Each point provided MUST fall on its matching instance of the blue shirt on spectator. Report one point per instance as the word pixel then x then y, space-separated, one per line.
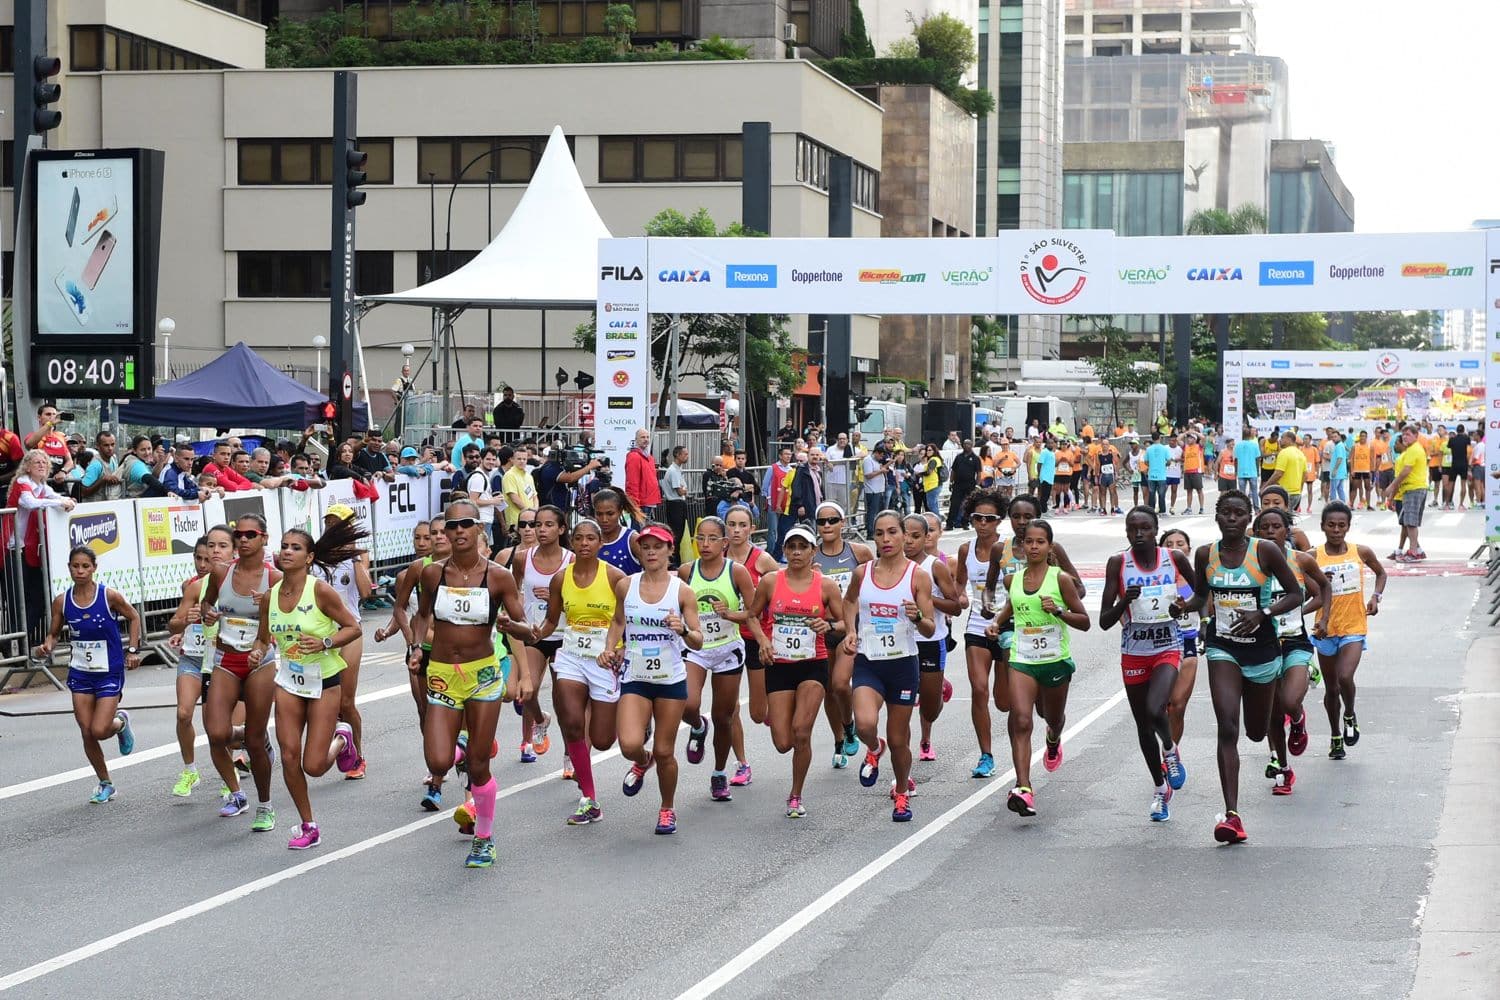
pixel 1158 456
pixel 1338 467
pixel 1246 458
pixel 1046 466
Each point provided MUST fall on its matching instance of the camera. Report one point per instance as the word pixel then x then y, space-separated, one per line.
pixel 577 456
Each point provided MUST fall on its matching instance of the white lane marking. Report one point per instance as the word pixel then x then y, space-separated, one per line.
pixel 87 951
pixel 156 753
pixel 783 932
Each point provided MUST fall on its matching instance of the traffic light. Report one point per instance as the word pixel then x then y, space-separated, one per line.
pixel 354 162
pixel 330 411
pixel 44 92
pixel 861 414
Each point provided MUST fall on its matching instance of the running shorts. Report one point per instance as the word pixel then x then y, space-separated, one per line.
pixel 752 654
pixel 453 685
pixel 110 684
pixel 972 641
pixel 1458 472
pixel 1107 481
pixel 1361 477
pixel 1255 673
pixel 1192 645
pixel 190 666
pixel 1174 480
pixel 789 676
pixel 1137 668
pixel 1329 645
pixel 549 647
pixel 930 656
pixel 1434 473
pixel 1048 675
pixel 1323 477
pixel 895 680
pixel 1412 506
pixel 603 683
pixel 726 659
pixel 675 691
pixel 1192 481
pixel 1295 656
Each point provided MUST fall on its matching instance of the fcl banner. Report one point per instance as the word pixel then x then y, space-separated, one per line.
pixel 622 350
pixel 1492 388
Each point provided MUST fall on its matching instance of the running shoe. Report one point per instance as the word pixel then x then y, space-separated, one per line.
pixel 461 753
pixel 519 706
pixel 1230 829
pixel 1273 768
pixel 1296 737
pixel 1285 781
pixel 432 799
pixel 1052 757
pixel 666 821
pixel 696 738
pixel 234 805
pixel 869 771
pixel 265 820
pixel 901 811
pixel 985 768
pixel 1159 811
pixel 947 690
pixel 349 754
pixel 1336 748
pixel 925 751
pixel 567 771
pixel 358 771
pixel 186 782
pixel 528 755
pixel 481 853
pixel 911 788
pixel 742 775
pixel 1176 772
pixel 1021 802
pixel 103 792
pixel 851 742
pixel 1314 676
pixel 1418 555
pixel 794 807
pixel 464 817
pixel 307 836
pixel 1351 730
pixel 126 735
pixel 588 811
pixel 242 761
pixel 718 788
pixel 840 760
pixel 635 776
pixel 540 741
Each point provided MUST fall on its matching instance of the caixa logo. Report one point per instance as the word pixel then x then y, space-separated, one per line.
pixel 610 272
pixel 1215 274
pixel 686 277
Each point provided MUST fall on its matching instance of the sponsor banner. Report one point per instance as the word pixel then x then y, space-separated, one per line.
pixel 168 530
pixel 108 529
pixel 1492 387
pixel 1415 403
pixel 1393 364
pixel 401 506
pixel 622 351
pixel 338 491
pixel 1267 402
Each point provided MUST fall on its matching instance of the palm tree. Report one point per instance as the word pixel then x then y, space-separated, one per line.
pixel 1246 220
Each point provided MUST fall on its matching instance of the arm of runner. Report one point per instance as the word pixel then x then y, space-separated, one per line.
pixel 124 609
pixel 1003 616
pixel 921 585
pixel 1075 614
pixel 951 602
pixel 422 624
pixel 263 641
pixel 614 639
pixel 1113 604
pixel 1368 555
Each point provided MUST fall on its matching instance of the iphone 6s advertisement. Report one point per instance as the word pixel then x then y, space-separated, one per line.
pixel 85 246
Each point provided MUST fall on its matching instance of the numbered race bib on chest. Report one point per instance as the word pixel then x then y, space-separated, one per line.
pixel 463 605
pixel 886 637
pixel 655 661
pixel 1289 623
pixel 1343 579
pixel 90 656
pixel 238 633
pixel 1154 604
pixel 1228 609
pixel 305 680
pixel 581 640
pixel 1106 468
pixel 1037 643
pixel 793 640
pixel 716 629
pixel 1226 471
pixel 194 642
pixel 840 578
pixel 536 609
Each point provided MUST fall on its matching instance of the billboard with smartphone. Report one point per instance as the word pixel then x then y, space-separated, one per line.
pixel 85 246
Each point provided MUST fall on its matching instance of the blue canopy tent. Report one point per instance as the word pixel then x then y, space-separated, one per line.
pixel 237 389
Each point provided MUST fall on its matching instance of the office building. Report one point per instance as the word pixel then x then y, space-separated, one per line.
pixel 1159 27
pixel 1460 330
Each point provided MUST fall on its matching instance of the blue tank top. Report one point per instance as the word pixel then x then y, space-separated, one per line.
pixel 96 623
pixel 617 553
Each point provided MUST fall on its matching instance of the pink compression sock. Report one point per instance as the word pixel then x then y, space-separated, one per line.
pixel 484 808
pixel 583 766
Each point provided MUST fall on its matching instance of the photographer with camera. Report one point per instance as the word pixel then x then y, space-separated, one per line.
pixel 560 473
pixel 53 442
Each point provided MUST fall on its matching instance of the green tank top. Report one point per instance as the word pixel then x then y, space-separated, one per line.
pixel 717 631
pixel 1041 637
pixel 305 619
pixel 210 632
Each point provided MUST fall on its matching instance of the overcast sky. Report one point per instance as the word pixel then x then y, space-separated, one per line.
pixel 1399 87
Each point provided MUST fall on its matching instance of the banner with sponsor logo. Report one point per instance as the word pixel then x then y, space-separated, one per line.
pixel 107 529
pixel 622 344
pixel 1268 403
pixel 341 491
pixel 401 506
pixel 168 531
pixel 1492 388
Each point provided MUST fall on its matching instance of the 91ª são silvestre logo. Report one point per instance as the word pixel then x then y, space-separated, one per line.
pixel 1054 271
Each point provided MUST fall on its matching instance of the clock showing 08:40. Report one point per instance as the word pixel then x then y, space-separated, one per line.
pixel 70 374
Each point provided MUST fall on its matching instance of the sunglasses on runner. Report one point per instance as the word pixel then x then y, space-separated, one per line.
pixel 459 523
pixel 243 535
pixel 984 518
pixel 830 520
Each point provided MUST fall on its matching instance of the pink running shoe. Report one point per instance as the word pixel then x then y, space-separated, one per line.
pixel 742 775
pixel 348 758
pixel 307 836
pixel 925 752
pixel 1052 757
pixel 947 690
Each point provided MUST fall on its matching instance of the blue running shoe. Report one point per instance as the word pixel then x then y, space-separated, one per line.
pixel 985 768
pixel 103 793
pixel 869 771
pixel 234 805
pixel 126 735
pixel 528 754
pixel 851 742
pixel 432 799
pixel 481 853
pixel 1159 811
pixel 1176 772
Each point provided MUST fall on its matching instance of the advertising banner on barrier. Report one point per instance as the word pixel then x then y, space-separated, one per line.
pixel 1392 364
pixel 622 344
pixel 342 491
pixel 401 506
pixel 168 529
pixel 108 529
pixel 299 509
pixel 1267 403
pixel 1492 388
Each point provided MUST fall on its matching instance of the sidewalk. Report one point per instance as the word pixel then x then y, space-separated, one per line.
pixel 1459 954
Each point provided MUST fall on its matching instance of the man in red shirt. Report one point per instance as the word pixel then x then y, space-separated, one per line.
pixel 223 471
pixel 641 485
pixel 51 440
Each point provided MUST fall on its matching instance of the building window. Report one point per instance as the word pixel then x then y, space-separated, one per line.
pixel 812 170
pixel 512 158
pixel 1131 204
pixel 670 158
pixel 431 266
pixel 7 171
pixel 7 53
pixel 306 161
pixel 94 48
pixel 303 274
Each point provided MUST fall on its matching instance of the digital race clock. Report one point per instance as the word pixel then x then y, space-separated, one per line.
pixel 105 374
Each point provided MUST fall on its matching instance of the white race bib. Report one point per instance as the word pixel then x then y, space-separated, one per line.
pixel 90 656
pixel 1106 468
pixel 886 638
pixel 1154 604
pixel 462 605
pixel 1227 611
pixel 305 680
pixel 581 640
pixel 1343 579
pixel 1289 623
pixel 717 630
pixel 1226 471
pixel 793 641
pixel 654 661
pixel 238 633
pixel 1037 644
pixel 194 642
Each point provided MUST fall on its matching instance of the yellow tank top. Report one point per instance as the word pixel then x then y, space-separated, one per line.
pixel 305 618
pixel 1346 588
pixel 588 607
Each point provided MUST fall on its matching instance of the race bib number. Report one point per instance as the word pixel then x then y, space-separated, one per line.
pixel 238 633
pixel 792 641
pixel 463 605
pixel 1343 579
pixel 716 629
pixel 654 661
pixel 194 641
pixel 585 642
pixel 305 680
pixel 1226 471
pixel 886 639
pixel 1228 610
pixel 1154 604
pixel 840 578
pixel 1106 468
pixel 1037 644
pixel 90 656
pixel 1289 623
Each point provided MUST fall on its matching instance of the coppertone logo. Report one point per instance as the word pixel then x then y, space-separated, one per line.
pixel 1054 271
pixel 99 532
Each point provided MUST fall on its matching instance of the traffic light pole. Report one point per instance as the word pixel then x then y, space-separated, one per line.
pixel 341 304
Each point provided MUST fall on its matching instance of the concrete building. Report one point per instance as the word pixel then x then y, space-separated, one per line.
pixel 1159 27
pixel 1460 330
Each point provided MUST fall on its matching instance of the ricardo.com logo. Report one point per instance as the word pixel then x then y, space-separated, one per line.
pixel 1054 271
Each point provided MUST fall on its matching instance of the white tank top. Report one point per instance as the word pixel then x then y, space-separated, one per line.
pixel 885 633
pixel 342 579
pixel 653 652
pixel 977 570
pixel 533 579
pixel 937 592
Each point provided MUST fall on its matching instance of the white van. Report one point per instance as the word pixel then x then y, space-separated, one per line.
pixel 1017 413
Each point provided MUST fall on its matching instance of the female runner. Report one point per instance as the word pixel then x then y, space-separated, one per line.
pixel 97 662
pixel 799 602
pixel 1143 592
pixel 984 508
pixel 525 541
pixel 1275 525
pixel 351 579
pixel 1276 498
pixel 656 614
pixel 1340 640
pixel 758 562
pixel 462 600
pixel 933 548
pixel 931 653
pixel 231 600
pixel 620 547
pixel 723 589
pixel 837 558
pixel 1190 627
pixel 888 604
pixel 308 621
pixel 538 567
pixel 1233 575
pixel 192 639
pixel 1044 605
pixel 585 693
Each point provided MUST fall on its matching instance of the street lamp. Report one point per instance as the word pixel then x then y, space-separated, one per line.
pixel 166 326
pixel 403 387
pixel 319 342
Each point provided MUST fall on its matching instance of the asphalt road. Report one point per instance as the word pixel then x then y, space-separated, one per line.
pixel 156 896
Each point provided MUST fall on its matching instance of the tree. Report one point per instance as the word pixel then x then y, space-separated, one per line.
pixel 856 41
pixel 946 40
pixel 1120 367
pixel 989 338
pixel 1243 221
pixel 1411 331
pixel 708 344
pixel 619 21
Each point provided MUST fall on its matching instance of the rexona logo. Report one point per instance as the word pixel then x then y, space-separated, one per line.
pixel 1054 271
pixel 609 272
pixel 1431 270
pixel 1286 272
pixel 889 276
pixel 1215 274
pixel 686 277
pixel 98 532
pixel 1144 275
pixel 1281 364
pixel 750 276
pixel 967 279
